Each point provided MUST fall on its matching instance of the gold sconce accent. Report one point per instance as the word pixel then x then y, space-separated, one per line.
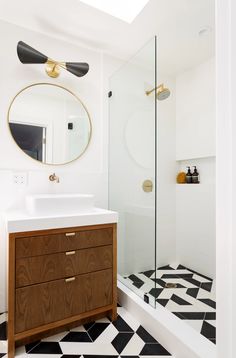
pixel 28 54
pixel 147 186
pixel 52 68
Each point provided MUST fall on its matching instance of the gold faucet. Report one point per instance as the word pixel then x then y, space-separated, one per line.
pixel 54 177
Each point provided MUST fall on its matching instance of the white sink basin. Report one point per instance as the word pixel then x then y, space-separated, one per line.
pixel 58 204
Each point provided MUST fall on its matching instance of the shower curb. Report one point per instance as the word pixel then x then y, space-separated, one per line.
pixel 181 340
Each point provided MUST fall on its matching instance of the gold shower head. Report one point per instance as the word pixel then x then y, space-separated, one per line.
pixel 161 92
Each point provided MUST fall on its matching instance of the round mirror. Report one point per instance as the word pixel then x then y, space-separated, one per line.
pixel 50 123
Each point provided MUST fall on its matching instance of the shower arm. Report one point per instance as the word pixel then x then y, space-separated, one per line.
pixel 155 88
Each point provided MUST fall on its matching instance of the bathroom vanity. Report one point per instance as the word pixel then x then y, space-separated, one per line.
pixel 61 274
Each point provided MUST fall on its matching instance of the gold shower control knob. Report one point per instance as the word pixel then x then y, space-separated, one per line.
pixel 147 186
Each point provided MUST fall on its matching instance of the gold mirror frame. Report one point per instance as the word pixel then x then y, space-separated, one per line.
pixel 73 94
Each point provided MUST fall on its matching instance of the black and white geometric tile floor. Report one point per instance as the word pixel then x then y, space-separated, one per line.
pixel 192 300
pixel 124 338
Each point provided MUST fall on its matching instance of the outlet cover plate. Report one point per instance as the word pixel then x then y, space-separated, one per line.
pixel 20 178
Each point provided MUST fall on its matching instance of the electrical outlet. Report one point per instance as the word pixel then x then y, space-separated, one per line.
pixel 20 178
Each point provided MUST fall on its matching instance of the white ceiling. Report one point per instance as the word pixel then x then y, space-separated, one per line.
pixel 122 9
pixel 175 22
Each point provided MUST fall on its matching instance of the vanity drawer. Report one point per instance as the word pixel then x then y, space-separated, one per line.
pixel 61 242
pixel 45 268
pixel 61 299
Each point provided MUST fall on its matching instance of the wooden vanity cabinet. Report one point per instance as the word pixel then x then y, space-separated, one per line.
pixel 60 277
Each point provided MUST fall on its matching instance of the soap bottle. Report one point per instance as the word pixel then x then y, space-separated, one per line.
pixel 195 176
pixel 188 176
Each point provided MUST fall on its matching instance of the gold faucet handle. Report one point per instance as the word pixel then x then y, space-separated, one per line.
pixel 54 177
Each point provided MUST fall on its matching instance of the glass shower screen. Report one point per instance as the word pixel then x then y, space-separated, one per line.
pixel 132 169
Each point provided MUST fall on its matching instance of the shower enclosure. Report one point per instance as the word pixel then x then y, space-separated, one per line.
pixel 165 236
pixel 133 168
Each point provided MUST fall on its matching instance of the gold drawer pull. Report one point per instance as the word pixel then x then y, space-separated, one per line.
pixel 70 253
pixel 70 234
pixel 70 279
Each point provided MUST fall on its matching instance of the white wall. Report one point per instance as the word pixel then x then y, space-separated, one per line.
pixel 15 76
pixel 226 177
pixel 186 213
pixel 166 201
pixel 195 112
pixel 195 145
pixel 86 175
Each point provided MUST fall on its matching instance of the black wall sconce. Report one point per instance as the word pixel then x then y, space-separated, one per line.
pixel 29 55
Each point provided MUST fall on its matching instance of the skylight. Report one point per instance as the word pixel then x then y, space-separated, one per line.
pixel 126 10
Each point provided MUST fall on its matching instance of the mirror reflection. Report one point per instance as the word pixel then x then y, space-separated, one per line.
pixel 50 123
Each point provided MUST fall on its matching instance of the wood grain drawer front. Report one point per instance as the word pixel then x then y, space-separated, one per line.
pixel 41 304
pixel 68 241
pixel 45 268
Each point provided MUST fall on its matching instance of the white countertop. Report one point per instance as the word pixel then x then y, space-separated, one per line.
pixel 19 221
